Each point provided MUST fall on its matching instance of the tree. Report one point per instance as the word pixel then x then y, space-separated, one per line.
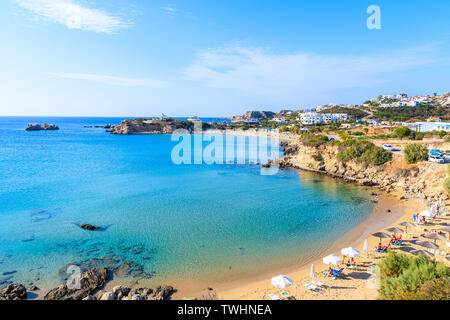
pixel 402 132
pixel 415 153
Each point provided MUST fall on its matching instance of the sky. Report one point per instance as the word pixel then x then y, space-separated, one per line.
pixel 139 58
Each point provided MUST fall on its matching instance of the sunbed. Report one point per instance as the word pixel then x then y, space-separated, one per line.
pixel 312 287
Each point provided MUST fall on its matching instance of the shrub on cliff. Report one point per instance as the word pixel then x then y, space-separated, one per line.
pixel 402 132
pixel 376 155
pixel 363 151
pixel 318 157
pixel 415 153
pixel 311 140
pixel 405 277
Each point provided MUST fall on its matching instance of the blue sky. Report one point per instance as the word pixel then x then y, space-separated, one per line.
pixel 214 58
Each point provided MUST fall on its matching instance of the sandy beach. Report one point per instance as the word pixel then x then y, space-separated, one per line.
pixel 354 286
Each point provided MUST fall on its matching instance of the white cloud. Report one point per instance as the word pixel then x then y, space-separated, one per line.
pixel 74 15
pixel 171 11
pixel 111 80
pixel 255 71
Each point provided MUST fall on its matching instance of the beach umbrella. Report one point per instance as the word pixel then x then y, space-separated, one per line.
pixel 350 252
pixel 446 229
pixel 312 274
pixel 381 235
pixel 281 282
pixel 427 244
pixel 434 236
pixel 332 259
pixel 427 214
pixel 366 247
pixel 407 224
pixel 423 252
pixel 395 230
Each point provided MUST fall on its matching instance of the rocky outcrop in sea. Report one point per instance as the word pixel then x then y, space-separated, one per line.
pixel 38 127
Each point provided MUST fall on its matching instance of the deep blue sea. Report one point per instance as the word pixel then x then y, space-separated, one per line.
pixel 211 222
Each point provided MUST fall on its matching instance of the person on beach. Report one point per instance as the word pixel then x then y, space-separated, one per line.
pixel 379 247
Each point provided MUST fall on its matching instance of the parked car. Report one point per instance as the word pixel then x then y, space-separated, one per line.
pixel 436 159
pixel 436 152
pixel 388 147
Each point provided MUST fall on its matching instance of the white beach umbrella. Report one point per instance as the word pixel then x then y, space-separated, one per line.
pixel 281 282
pixel 366 247
pixel 312 274
pixel 427 214
pixel 350 252
pixel 332 259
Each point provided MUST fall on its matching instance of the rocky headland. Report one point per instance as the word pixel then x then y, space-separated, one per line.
pixel 154 126
pixel 423 179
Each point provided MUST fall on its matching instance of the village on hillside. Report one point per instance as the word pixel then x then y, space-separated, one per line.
pixel 421 113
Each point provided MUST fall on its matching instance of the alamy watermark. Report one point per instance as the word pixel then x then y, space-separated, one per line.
pixel 374 20
pixel 73 282
pixel 255 147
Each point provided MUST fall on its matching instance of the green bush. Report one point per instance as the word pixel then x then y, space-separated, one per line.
pixel 402 132
pixel 413 278
pixel 318 157
pixel 376 156
pixel 363 151
pixel 311 140
pixel 415 153
pixel 417 135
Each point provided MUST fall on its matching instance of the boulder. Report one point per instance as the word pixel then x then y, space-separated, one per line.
pixel 89 227
pixel 108 296
pixel 14 291
pixel 90 281
pixel 120 290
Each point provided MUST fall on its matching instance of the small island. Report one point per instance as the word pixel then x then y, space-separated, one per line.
pixel 38 127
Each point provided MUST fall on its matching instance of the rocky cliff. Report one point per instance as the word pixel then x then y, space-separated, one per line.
pixel 150 126
pixel 424 179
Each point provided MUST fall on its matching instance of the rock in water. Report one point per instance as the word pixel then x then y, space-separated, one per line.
pixel 13 291
pixel 86 226
pixel 90 281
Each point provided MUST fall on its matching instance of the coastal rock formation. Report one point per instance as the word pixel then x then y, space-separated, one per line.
pixel 38 127
pixel 89 227
pixel 424 179
pixel 13 291
pixel 260 115
pixel 163 292
pixel 152 126
pixel 90 281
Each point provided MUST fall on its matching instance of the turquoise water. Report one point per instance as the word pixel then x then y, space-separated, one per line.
pixel 213 222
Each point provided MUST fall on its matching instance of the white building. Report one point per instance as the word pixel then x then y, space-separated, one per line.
pixel 278 120
pixel 310 118
pixel 429 126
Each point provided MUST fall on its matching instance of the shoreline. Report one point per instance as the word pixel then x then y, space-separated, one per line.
pixel 380 218
pixel 255 288
pixel 351 289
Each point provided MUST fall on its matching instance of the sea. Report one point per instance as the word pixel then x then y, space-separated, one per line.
pixel 159 219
